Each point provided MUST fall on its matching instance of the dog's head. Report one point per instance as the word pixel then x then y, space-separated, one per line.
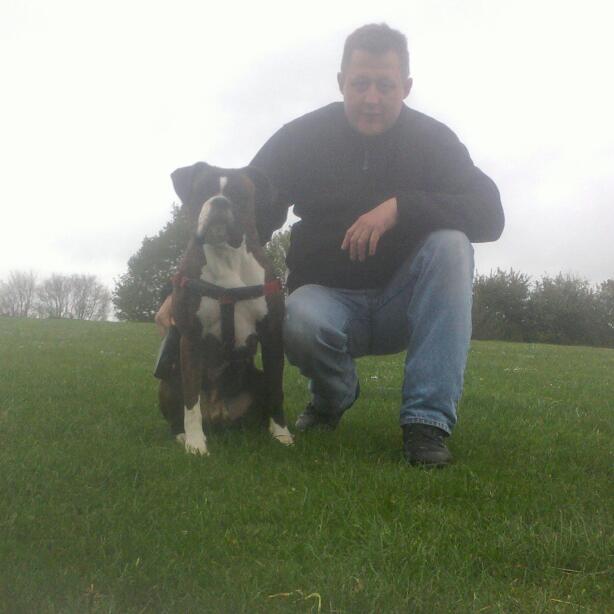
pixel 220 203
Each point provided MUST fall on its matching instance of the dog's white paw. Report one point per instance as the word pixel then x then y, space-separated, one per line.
pixel 195 440
pixel 285 438
pixel 196 444
pixel 281 433
pixel 180 438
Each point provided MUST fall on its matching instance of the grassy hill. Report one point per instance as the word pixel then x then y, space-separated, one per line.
pixel 100 511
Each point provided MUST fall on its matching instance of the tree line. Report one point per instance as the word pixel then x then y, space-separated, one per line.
pixel 564 309
pixel 507 305
pixel 77 297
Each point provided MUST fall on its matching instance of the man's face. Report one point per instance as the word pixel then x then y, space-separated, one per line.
pixel 373 89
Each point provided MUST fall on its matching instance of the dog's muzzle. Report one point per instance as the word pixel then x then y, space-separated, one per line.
pixel 217 223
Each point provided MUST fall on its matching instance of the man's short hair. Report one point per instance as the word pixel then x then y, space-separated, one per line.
pixel 377 38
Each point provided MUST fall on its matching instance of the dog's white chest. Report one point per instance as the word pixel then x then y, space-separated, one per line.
pixel 232 268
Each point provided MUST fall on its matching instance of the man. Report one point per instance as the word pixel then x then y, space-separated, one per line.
pixel 381 260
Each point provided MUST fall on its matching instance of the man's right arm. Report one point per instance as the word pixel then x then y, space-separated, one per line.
pixel 274 160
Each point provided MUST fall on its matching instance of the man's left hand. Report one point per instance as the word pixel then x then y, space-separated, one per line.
pixel 364 234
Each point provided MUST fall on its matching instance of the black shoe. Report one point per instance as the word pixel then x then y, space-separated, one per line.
pixel 424 445
pixel 311 419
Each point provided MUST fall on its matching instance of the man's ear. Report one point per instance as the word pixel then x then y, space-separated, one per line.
pixel 407 87
pixel 183 180
pixel 340 81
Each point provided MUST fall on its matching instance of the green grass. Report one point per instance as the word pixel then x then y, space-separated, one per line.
pixel 100 511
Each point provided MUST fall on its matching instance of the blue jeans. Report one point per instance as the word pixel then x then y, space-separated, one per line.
pixel 425 309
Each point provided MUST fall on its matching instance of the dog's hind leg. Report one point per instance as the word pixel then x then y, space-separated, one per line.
pixel 170 396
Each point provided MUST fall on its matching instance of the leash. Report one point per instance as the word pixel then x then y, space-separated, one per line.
pixel 227 298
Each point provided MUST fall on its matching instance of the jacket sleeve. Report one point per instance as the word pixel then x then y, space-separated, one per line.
pixel 274 160
pixel 457 194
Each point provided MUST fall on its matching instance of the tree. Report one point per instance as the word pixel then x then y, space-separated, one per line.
pixel 605 306
pixel 78 297
pixel 500 304
pixel 563 309
pixel 139 291
pixel 54 297
pixel 89 299
pixel 276 250
pixel 18 294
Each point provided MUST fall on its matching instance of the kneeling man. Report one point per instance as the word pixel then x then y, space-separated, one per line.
pixel 381 260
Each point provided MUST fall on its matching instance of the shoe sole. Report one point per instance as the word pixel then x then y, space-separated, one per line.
pixel 429 464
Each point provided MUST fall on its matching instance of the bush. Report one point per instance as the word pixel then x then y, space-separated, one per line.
pixel 564 309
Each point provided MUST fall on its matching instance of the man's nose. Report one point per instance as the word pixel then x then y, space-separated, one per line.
pixel 372 96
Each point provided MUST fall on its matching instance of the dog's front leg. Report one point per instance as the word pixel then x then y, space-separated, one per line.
pixel 191 372
pixel 271 343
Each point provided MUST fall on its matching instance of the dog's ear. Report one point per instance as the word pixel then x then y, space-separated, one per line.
pixel 184 178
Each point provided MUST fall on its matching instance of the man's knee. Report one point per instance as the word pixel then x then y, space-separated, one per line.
pixel 305 324
pixel 449 241
pixel 300 322
pixel 451 249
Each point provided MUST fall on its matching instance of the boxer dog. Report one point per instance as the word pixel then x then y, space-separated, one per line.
pixel 225 301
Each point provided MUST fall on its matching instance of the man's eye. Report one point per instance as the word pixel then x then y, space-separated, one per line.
pixel 360 86
pixel 385 87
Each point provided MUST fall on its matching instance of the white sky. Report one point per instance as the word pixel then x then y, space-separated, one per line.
pixel 101 101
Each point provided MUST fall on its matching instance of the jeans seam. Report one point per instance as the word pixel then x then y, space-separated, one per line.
pixel 400 290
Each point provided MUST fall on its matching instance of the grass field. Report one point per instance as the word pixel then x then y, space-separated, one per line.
pixel 100 511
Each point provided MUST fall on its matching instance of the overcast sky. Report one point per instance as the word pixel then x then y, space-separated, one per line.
pixel 101 101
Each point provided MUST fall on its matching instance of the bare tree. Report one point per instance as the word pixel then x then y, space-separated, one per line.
pixel 18 294
pixel 54 297
pixel 78 297
pixel 89 299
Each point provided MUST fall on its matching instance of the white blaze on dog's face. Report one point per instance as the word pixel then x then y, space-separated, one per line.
pixel 219 220
pixel 215 217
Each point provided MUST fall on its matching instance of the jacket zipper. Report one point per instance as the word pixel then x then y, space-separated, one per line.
pixel 365 160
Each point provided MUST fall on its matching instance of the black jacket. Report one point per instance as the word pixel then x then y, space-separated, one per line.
pixel 332 175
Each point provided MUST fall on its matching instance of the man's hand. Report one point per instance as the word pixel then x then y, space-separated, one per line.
pixel 367 230
pixel 163 318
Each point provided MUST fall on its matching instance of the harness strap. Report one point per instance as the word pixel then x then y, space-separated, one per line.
pixel 227 313
pixel 227 297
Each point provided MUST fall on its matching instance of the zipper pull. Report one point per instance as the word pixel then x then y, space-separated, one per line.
pixel 365 161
